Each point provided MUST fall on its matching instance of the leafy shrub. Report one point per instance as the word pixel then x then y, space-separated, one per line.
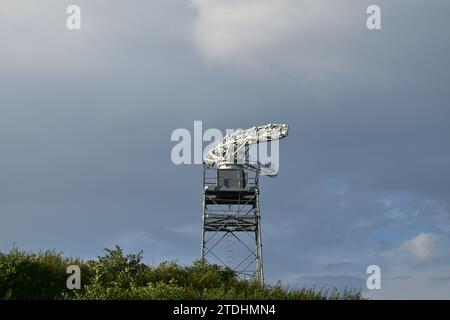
pixel 35 276
pixel 118 276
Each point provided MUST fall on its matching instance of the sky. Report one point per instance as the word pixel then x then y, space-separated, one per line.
pixel 86 118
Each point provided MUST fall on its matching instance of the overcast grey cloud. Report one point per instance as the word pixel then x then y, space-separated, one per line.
pixel 86 119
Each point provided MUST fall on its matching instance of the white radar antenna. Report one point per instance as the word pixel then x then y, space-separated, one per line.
pixel 234 149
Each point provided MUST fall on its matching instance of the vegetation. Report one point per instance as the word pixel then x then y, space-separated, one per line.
pixel 118 276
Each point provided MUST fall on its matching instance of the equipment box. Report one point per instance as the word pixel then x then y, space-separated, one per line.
pixel 231 178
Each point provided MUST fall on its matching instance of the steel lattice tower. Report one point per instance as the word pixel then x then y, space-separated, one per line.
pixel 231 207
pixel 231 210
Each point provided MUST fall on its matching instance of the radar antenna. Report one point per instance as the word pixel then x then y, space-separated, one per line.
pixel 233 148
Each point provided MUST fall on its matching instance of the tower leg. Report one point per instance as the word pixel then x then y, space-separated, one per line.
pixel 202 246
pixel 259 257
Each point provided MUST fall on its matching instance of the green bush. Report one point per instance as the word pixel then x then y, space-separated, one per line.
pixel 35 276
pixel 118 276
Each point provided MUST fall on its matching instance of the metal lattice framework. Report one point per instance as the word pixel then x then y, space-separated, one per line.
pixel 231 209
pixel 234 147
